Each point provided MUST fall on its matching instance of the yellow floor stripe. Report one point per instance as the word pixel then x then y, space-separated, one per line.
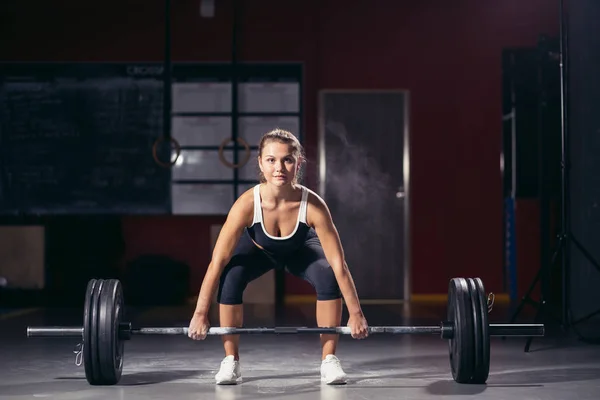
pixel 310 299
pixel 501 298
pixel 18 313
pixel 415 298
pixel 443 298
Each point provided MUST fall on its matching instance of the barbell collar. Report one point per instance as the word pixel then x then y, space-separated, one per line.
pixel 447 332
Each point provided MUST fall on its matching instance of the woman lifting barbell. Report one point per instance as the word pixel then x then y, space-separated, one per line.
pixel 279 224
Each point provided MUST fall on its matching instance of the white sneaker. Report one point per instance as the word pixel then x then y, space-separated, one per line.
pixel 331 371
pixel 230 373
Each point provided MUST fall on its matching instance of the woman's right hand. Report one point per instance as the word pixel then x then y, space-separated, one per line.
pixel 199 326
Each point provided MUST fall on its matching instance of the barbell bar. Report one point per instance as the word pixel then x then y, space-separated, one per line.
pixel 465 327
pixel 445 330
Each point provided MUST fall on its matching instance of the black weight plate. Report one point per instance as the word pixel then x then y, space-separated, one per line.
pixel 110 345
pixel 94 333
pixel 452 317
pixel 87 330
pixel 119 313
pixel 461 346
pixel 481 373
pixel 477 329
pixel 469 334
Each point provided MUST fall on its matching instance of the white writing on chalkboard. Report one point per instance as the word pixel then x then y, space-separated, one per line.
pixel 142 70
pixel 82 145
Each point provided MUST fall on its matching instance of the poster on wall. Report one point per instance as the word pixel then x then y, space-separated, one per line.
pixel 200 130
pixel 201 97
pixel 252 128
pixel 269 97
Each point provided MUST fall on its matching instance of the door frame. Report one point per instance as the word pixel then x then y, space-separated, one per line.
pixel 322 167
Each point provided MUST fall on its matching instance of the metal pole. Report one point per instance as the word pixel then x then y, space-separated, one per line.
pixel 396 330
pixel 528 330
pixel 235 92
pixel 564 165
pixel 510 208
pixel 55 331
pixel 494 330
pixel 167 78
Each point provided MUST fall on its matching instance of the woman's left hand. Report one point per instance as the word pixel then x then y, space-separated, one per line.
pixel 359 328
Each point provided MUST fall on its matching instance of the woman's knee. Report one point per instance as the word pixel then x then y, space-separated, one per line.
pixel 323 279
pixel 231 286
pixel 237 274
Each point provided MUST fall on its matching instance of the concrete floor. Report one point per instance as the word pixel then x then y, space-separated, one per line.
pixel 287 366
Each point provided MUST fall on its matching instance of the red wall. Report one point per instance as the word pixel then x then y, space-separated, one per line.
pixel 446 53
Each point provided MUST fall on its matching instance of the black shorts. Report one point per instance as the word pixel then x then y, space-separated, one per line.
pixel 249 263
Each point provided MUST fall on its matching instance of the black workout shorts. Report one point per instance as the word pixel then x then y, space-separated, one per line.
pixel 249 263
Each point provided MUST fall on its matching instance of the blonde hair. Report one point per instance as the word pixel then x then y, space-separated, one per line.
pixel 285 137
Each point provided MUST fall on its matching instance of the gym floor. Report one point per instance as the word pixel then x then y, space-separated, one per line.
pixel 287 366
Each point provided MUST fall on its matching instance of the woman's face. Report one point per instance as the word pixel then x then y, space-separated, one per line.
pixel 278 163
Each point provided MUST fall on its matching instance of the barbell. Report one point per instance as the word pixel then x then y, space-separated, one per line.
pixel 466 328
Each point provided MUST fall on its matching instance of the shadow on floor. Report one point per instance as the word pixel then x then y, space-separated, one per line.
pixel 155 377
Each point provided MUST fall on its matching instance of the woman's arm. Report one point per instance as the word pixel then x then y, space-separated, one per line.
pixel 319 217
pixel 237 219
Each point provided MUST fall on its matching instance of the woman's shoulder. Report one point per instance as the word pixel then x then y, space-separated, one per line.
pixel 247 197
pixel 248 194
pixel 317 212
pixel 243 208
pixel 312 198
pixel 316 208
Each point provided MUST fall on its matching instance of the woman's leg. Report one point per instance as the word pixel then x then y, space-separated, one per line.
pixel 329 314
pixel 311 265
pixel 246 265
pixel 231 315
pixel 249 263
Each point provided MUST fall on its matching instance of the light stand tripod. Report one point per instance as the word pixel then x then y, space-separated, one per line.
pixel 565 236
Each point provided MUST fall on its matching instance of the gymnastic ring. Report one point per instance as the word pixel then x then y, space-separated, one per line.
pixel 175 143
pixel 246 156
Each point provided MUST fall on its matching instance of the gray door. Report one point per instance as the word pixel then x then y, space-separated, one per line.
pixel 363 159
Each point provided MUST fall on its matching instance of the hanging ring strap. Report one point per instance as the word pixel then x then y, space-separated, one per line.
pixel 243 162
pixel 174 143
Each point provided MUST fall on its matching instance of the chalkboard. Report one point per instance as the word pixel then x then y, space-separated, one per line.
pixel 77 139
